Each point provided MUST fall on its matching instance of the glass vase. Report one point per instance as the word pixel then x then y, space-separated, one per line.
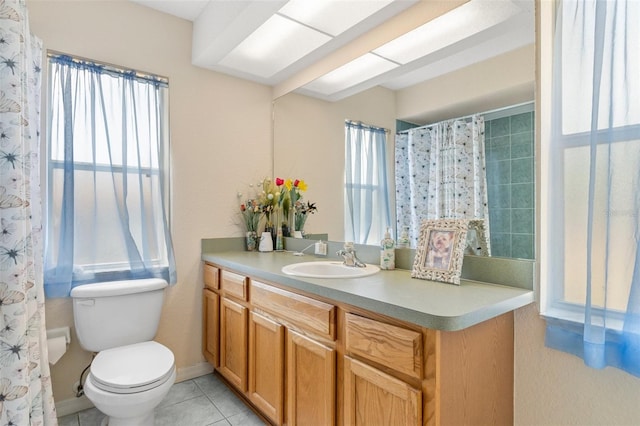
pixel 252 240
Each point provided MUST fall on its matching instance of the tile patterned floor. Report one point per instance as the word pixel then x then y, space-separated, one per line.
pixel 203 401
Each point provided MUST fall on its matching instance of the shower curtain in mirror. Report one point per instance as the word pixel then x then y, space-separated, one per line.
pixel 440 174
pixel 26 397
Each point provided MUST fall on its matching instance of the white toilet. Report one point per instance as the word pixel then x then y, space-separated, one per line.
pixel 131 373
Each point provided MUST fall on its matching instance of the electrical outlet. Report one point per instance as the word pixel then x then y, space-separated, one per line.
pixel 321 248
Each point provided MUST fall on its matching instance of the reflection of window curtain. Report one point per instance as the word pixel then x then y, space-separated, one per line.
pixel 26 397
pixel 440 174
pixel 107 176
pixel 592 257
pixel 367 211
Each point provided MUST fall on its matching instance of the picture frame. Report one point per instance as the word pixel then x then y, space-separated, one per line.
pixel 440 250
pixel 478 243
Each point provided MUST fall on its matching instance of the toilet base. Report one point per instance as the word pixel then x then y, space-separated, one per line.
pixel 134 409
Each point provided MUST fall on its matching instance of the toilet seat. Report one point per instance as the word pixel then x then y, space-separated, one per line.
pixel 132 368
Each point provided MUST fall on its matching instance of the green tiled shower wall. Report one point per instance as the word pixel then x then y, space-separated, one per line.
pixel 510 182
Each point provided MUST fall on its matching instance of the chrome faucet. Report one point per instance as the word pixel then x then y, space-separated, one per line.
pixel 349 256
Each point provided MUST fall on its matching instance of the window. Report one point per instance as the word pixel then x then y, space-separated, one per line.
pixel 107 176
pixel 367 212
pixel 590 279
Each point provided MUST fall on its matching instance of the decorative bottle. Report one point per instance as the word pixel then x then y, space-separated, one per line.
pixel 279 243
pixel 387 252
pixel 403 241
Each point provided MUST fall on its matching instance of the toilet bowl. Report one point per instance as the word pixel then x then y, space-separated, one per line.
pixel 131 373
pixel 126 383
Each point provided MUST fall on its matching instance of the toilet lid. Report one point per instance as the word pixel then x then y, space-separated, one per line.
pixel 132 368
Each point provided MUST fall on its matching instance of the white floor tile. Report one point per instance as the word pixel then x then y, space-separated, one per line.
pixel 203 401
pixel 228 403
pixel 91 417
pixel 70 420
pixel 193 412
pixel 181 392
pixel 246 418
pixel 210 384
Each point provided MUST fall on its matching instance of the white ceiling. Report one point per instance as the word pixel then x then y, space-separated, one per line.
pixel 234 37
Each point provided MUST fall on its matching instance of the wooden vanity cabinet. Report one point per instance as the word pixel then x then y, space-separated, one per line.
pixel 234 328
pixel 372 397
pixel 211 315
pixel 311 377
pixel 233 342
pixel 266 366
pixel 299 359
pixel 210 326
pixel 311 357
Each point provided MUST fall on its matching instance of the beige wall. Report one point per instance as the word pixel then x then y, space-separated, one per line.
pixel 555 388
pixel 309 143
pixel 498 82
pixel 221 140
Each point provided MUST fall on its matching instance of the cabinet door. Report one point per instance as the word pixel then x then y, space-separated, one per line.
pixel 372 397
pixel 233 342
pixel 311 389
pixel 210 326
pixel 266 365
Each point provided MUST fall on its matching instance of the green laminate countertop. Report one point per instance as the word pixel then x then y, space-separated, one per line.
pixel 430 304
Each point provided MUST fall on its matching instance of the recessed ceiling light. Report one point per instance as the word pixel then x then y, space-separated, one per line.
pixel 276 44
pixel 363 68
pixel 332 16
pixel 463 22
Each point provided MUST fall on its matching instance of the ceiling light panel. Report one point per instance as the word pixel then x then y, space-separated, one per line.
pixel 352 73
pixel 332 16
pixel 461 23
pixel 276 44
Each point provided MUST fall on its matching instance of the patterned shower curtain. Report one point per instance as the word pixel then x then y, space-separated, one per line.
pixel 26 396
pixel 440 174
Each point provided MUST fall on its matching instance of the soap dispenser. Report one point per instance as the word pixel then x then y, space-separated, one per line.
pixel 387 252
pixel 403 241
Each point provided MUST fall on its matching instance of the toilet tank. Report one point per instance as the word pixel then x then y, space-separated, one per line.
pixel 117 313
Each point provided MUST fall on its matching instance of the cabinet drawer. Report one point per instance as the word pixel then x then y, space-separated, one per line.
pixel 211 277
pixel 234 285
pixel 298 311
pixel 394 347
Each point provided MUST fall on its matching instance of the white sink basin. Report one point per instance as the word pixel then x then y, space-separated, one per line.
pixel 328 269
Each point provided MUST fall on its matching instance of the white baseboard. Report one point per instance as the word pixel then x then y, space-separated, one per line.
pixel 193 371
pixel 73 405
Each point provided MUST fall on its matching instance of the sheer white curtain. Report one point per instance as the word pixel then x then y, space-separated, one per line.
pixel 440 174
pixel 367 209
pixel 26 396
pixel 592 287
pixel 108 176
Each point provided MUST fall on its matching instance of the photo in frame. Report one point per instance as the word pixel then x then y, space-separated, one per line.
pixel 440 250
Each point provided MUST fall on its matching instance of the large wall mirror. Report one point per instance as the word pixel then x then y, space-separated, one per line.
pixel 309 134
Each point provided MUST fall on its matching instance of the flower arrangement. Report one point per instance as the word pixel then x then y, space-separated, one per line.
pixel 269 200
pixel 251 212
pixel 302 211
pixel 280 202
